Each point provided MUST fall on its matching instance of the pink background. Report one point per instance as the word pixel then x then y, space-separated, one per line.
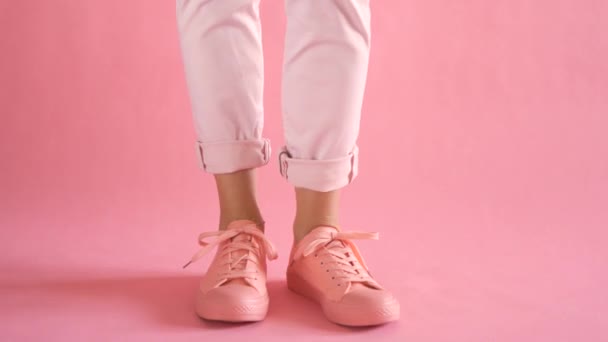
pixel 484 165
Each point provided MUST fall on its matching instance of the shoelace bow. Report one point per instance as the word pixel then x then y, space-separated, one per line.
pixel 236 268
pixel 338 254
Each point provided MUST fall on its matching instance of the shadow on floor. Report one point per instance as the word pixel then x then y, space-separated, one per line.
pixel 169 299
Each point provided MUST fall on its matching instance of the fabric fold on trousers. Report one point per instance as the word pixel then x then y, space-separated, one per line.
pixel 319 175
pixel 232 156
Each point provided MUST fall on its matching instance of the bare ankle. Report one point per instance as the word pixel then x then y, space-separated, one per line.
pixel 315 209
pixel 256 218
pixel 237 197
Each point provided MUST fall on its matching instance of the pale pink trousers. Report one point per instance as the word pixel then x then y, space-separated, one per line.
pixel 324 73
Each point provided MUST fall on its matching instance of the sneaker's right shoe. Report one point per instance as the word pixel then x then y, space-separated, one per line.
pixel 234 287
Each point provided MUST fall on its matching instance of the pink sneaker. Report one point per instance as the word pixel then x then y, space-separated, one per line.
pixel 234 287
pixel 328 268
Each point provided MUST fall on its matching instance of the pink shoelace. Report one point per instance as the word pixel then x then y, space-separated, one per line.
pixel 338 254
pixel 237 268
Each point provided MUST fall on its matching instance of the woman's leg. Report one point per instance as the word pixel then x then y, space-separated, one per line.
pixel 222 54
pixel 326 56
pixel 325 68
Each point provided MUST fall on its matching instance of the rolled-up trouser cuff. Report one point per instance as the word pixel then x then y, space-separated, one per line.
pixel 232 156
pixel 319 175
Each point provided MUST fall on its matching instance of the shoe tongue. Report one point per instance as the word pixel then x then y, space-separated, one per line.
pixel 344 247
pixel 333 243
pixel 341 247
pixel 236 255
pixel 338 244
pixel 241 238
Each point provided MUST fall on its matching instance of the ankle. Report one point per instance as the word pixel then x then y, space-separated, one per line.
pixel 225 220
pixel 236 193
pixel 313 209
pixel 301 229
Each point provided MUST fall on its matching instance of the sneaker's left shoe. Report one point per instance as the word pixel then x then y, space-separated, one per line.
pixel 327 267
